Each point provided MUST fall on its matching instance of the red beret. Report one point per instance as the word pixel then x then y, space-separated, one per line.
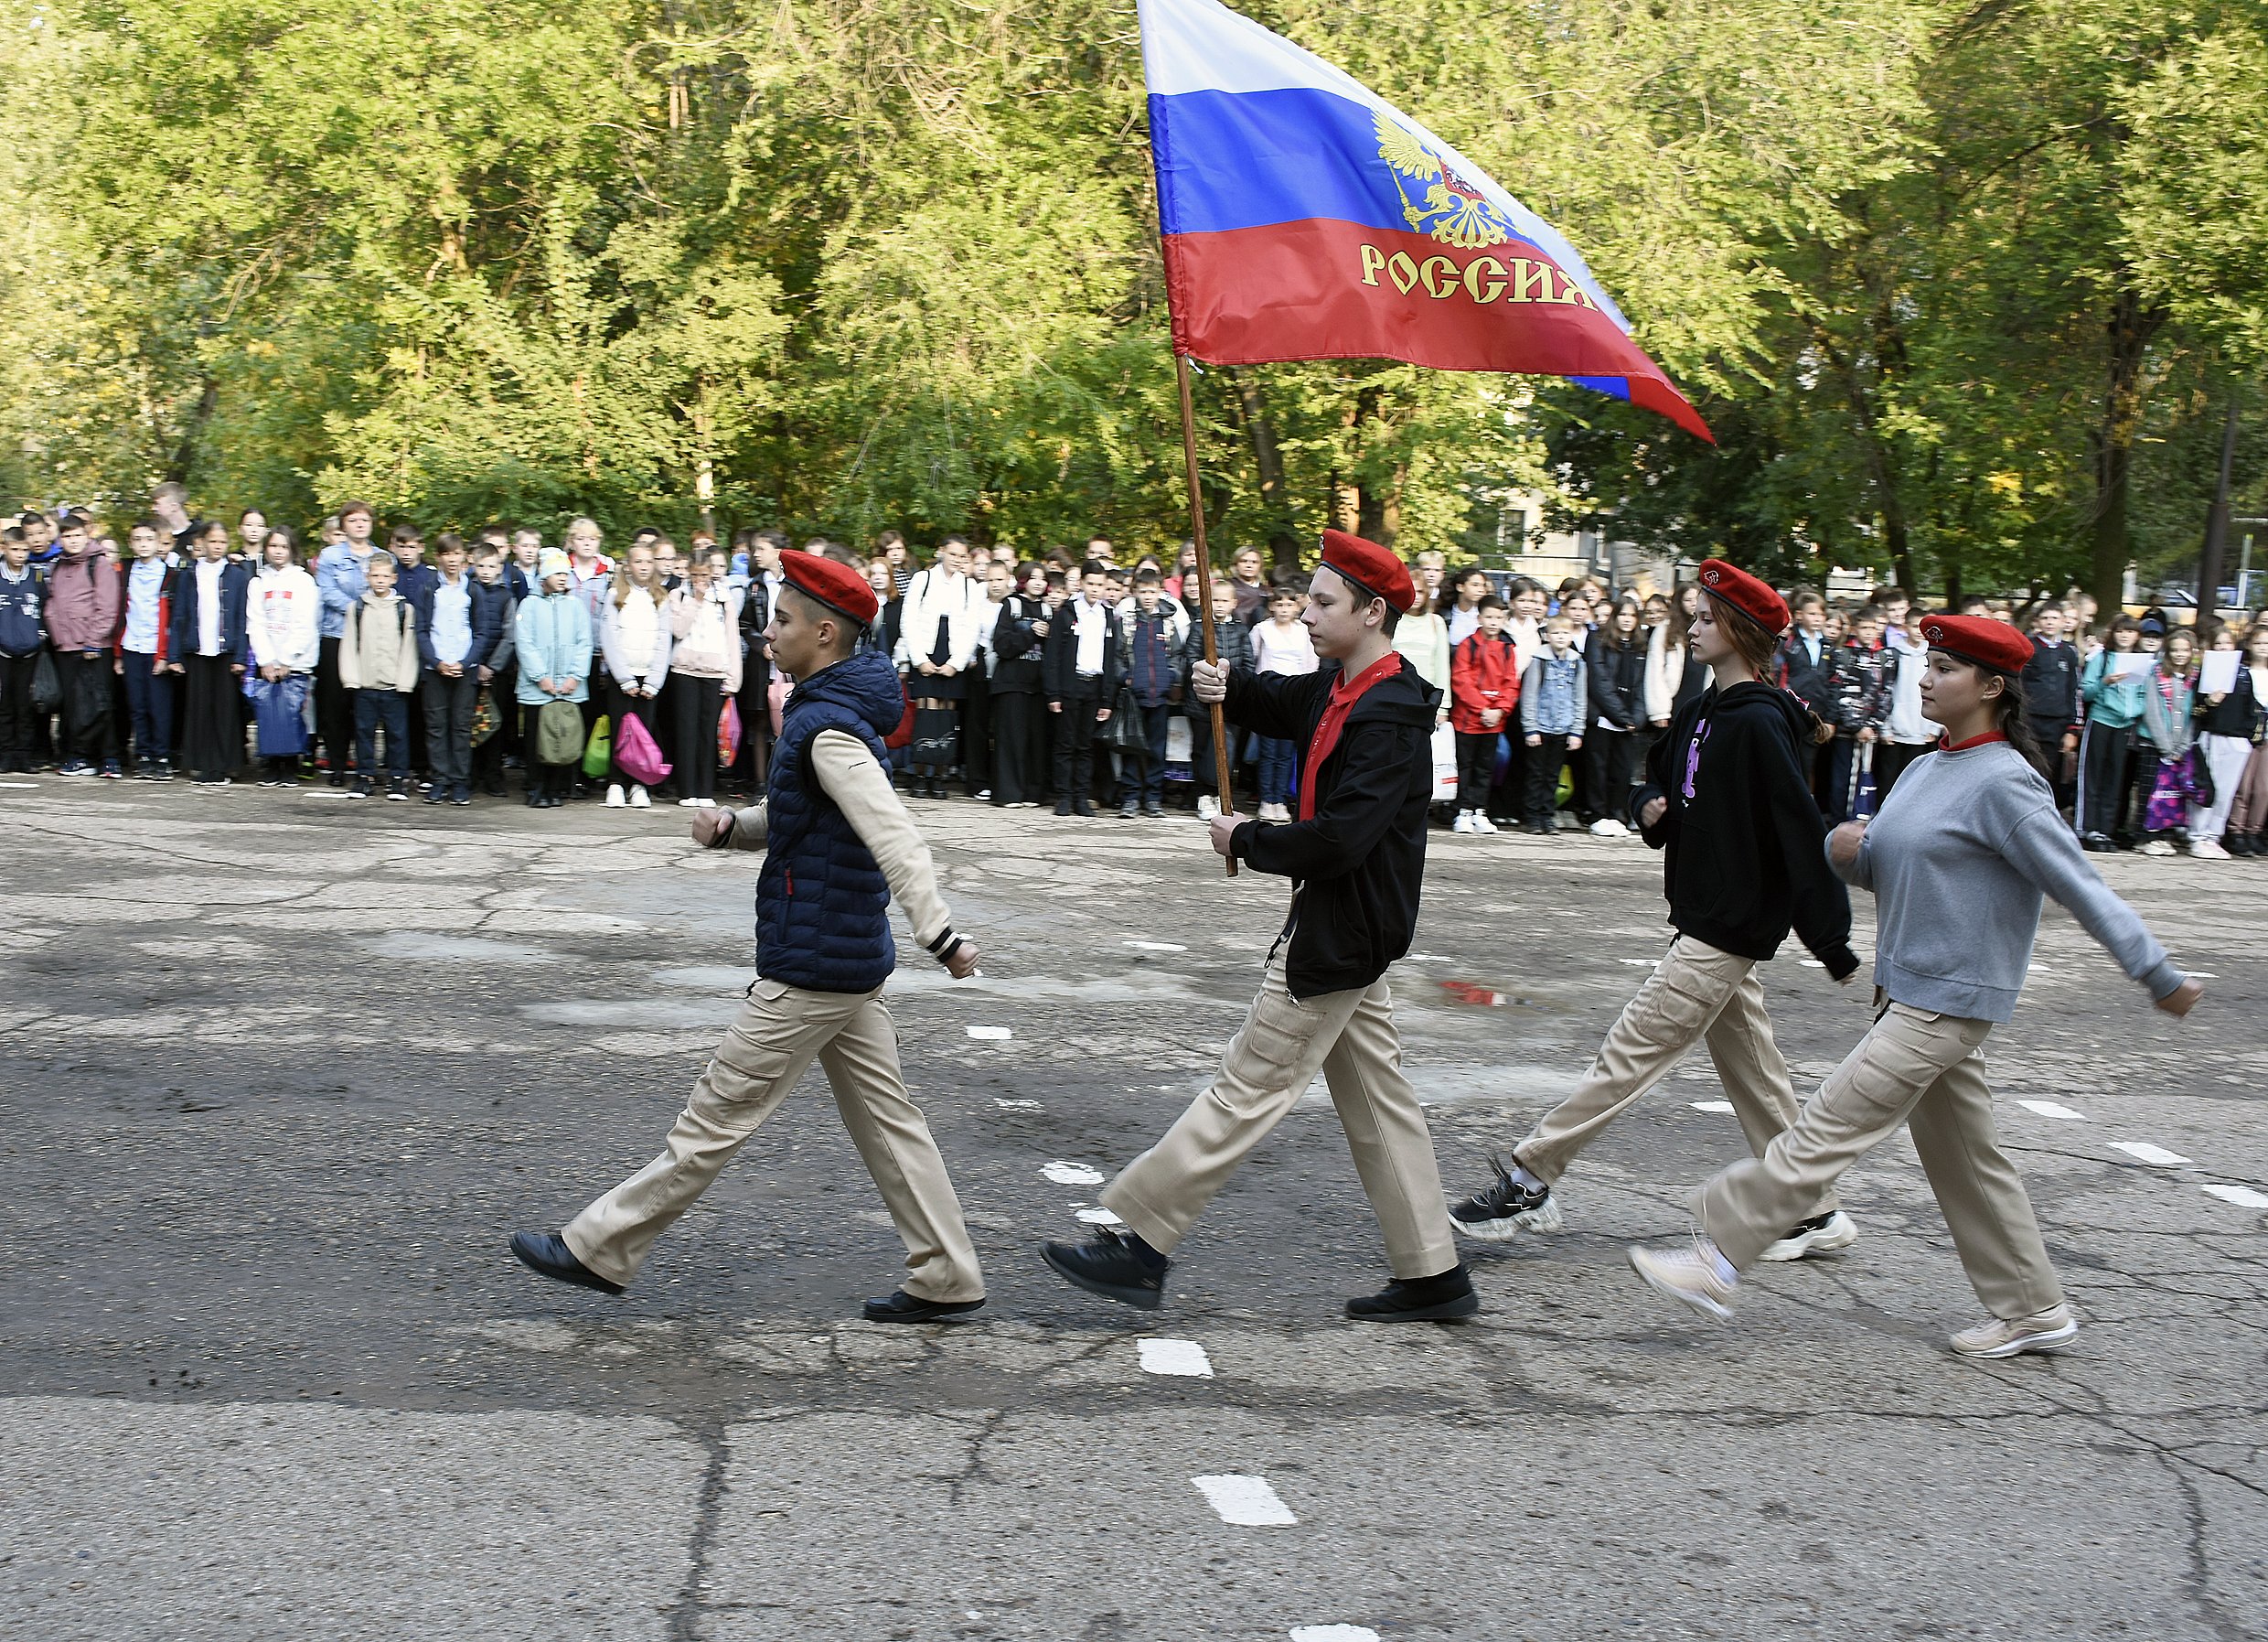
pixel 1745 593
pixel 1370 567
pixel 838 586
pixel 1978 638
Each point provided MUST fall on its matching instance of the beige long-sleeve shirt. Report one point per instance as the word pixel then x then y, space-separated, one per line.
pixel 847 772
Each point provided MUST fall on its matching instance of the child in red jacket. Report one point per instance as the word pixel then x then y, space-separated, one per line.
pixel 1484 687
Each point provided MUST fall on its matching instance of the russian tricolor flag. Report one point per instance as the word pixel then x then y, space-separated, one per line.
pixel 1307 219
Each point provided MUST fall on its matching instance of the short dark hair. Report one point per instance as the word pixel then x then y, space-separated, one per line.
pixel 1149 575
pixel 1489 601
pixel 1804 597
pixel 448 542
pixel 819 609
pixel 405 533
pixel 1095 567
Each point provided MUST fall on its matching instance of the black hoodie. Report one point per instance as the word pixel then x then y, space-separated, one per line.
pixel 1745 848
pixel 1356 867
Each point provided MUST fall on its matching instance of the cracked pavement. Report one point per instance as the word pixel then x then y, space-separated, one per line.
pixel 281 1074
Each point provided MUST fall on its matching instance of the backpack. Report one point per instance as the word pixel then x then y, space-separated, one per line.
pixel 558 733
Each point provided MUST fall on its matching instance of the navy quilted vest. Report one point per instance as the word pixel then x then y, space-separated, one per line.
pixel 822 904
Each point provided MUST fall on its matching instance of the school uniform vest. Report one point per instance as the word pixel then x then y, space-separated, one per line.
pixel 822 904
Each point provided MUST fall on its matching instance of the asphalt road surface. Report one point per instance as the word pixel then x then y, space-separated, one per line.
pixel 281 1073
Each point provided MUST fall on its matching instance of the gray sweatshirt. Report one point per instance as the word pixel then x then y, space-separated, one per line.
pixel 1958 859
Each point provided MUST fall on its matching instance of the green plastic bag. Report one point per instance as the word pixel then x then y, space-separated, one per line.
pixel 600 753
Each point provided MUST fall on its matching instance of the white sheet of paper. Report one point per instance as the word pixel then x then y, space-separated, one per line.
pixel 2123 662
pixel 2217 671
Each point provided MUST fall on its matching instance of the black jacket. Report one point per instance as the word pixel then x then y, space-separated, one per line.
pixel 1618 682
pixel 2050 681
pixel 1746 847
pixel 1059 659
pixel 755 615
pixel 235 640
pixel 2237 714
pixel 1231 642
pixel 1811 682
pixel 1015 647
pixel 1356 867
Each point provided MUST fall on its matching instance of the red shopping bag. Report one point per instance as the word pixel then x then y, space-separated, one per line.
pixel 728 734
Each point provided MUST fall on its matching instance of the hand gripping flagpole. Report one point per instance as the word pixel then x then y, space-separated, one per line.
pixel 1222 766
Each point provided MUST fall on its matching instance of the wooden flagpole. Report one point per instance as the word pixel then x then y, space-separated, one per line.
pixel 1222 765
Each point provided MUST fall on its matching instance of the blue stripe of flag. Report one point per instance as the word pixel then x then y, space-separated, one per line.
pixel 1250 159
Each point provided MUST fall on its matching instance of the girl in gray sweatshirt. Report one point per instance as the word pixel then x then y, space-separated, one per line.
pixel 1960 858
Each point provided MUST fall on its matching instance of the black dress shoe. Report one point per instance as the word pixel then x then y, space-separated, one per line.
pixel 1419 1299
pixel 1064 808
pixel 1116 1264
pixel 1081 808
pixel 903 1308
pixel 548 1253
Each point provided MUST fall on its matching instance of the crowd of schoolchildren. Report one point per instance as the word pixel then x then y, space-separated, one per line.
pixel 390 665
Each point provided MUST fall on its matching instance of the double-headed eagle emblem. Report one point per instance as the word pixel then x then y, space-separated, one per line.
pixel 1451 208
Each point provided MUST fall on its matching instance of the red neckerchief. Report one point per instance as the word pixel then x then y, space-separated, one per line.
pixel 1944 745
pixel 1343 696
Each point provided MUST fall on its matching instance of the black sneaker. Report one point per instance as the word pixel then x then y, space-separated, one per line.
pixel 548 1253
pixel 361 790
pixel 1433 1299
pixel 1115 1264
pixel 1498 1213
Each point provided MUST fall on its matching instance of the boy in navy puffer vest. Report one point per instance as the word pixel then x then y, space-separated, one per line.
pixel 23 635
pixel 839 846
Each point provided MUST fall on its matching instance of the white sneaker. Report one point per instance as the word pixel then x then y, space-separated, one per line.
pixel 1823 1235
pixel 1480 823
pixel 1206 808
pixel 2012 1337
pixel 1696 1275
pixel 1608 827
pixel 2156 847
pixel 690 803
pixel 1463 824
pixel 704 803
pixel 639 801
pixel 2208 849
pixel 614 800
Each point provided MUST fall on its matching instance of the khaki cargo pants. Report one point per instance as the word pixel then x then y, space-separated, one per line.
pixel 1349 1037
pixel 1694 992
pixel 1926 1071
pixel 770 1044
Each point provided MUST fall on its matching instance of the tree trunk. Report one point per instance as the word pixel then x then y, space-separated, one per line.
pixel 2131 326
pixel 184 459
pixel 2216 527
pixel 1283 543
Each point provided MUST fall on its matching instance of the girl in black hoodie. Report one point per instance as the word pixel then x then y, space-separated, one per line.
pixel 1728 802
